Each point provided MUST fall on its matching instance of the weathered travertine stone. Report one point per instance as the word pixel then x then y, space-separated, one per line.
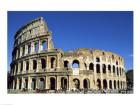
pixel 37 64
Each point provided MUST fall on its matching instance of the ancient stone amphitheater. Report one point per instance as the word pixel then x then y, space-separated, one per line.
pixel 36 64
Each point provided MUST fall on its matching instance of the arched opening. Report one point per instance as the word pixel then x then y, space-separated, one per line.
pixel 36 46
pixel 113 69
pixel 44 45
pixel 21 66
pixel 120 72
pixel 63 83
pixel 118 84
pixel 20 82
pixel 97 59
pixel 75 64
pixel 86 83
pixel 91 66
pixel 109 68
pixel 99 84
pixel 116 62
pixel 104 84
pixel 52 62
pixel 98 68
pixel 43 63
pixel 15 84
pixel 76 83
pixel 104 68
pixel 34 64
pixel 29 48
pixel 114 84
pixel 52 83
pixel 27 65
pixel 110 84
pixel 33 85
pixel 66 64
pixel 26 84
pixel 42 84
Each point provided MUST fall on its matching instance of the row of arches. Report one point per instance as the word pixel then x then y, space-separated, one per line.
pixel 112 84
pixel 101 84
pixel 26 49
pixel 27 65
pixel 76 64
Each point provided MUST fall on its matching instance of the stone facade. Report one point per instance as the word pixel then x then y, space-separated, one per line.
pixel 36 64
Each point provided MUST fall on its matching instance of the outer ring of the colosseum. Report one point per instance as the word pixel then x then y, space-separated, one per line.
pixel 36 64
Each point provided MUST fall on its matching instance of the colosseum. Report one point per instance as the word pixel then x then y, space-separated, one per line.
pixel 37 65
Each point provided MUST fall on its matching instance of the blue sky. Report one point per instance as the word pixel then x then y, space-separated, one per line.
pixel 109 31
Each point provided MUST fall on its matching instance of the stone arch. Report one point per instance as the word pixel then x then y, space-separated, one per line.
pixel 20 83
pixel 53 62
pixel 91 66
pixel 29 48
pixel 104 68
pixel 34 64
pixel 99 84
pixel 105 84
pixel 26 83
pixel 27 65
pixel 21 66
pixel 64 83
pixel 116 62
pixel 76 83
pixel 52 83
pixel 43 63
pixel 33 85
pixel 86 83
pixel 66 64
pixel 36 44
pixel 110 84
pixel 44 45
pixel 109 68
pixel 118 83
pixel 23 50
pixel 42 84
pixel 97 59
pixel 113 69
pixel 114 84
pixel 75 64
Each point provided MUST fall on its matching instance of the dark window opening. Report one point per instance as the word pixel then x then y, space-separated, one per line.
pixel 91 66
pixel 34 64
pixel 98 68
pixel 104 68
pixel 97 59
pixel 43 62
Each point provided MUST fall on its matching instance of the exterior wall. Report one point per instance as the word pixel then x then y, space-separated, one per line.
pixel 46 68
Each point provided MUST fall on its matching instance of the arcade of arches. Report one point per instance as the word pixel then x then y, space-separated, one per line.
pixel 36 64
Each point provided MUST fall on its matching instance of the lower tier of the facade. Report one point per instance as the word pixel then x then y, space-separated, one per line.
pixel 56 81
